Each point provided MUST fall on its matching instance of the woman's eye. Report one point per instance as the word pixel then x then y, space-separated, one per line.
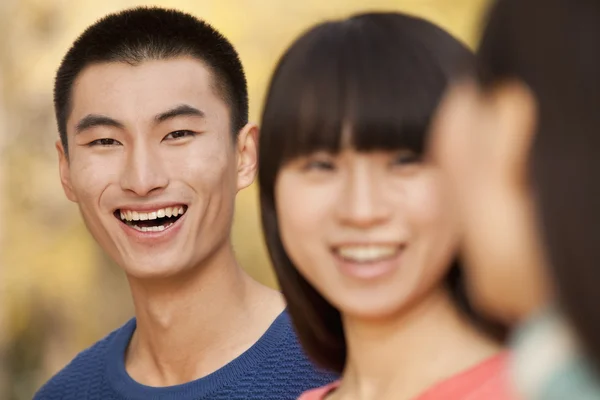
pixel 179 134
pixel 407 157
pixel 105 142
pixel 319 165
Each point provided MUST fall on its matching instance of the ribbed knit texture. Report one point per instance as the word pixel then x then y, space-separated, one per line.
pixel 275 368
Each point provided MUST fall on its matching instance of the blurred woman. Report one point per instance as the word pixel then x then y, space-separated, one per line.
pixel 359 226
pixel 519 141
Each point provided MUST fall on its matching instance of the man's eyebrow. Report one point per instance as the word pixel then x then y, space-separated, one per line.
pixel 181 110
pixel 93 120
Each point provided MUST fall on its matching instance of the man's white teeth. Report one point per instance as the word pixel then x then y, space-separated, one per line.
pixel 367 253
pixel 145 216
pixel 151 228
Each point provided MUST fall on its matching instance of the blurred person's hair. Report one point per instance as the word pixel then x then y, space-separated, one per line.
pixel 141 34
pixel 553 47
pixel 381 75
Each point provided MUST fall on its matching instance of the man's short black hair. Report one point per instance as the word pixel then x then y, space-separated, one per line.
pixel 140 34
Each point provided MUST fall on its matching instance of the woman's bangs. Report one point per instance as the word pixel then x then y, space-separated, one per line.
pixel 361 94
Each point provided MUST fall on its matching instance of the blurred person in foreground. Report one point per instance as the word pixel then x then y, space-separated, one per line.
pixel 360 228
pixel 520 143
pixel 152 111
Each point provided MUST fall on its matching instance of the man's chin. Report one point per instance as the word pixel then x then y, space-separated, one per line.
pixel 154 270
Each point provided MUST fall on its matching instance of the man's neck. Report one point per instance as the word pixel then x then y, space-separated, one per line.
pixel 188 327
pixel 401 356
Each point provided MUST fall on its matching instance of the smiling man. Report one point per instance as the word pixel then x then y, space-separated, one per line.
pixel 152 111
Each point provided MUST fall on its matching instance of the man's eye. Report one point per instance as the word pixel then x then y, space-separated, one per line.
pixel 179 135
pixel 104 142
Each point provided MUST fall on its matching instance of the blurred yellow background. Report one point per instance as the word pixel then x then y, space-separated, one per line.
pixel 58 292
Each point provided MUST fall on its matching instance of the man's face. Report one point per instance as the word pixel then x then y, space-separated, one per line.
pixel 152 164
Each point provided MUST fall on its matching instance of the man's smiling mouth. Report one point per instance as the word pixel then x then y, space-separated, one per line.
pixel 151 220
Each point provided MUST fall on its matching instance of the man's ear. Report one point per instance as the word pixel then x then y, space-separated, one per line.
pixel 247 155
pixel 64 169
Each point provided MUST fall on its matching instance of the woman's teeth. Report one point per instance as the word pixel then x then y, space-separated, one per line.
pixel 367 253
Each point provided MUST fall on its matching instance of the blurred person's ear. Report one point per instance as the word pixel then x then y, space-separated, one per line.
pixel 482 141
pixel 65 172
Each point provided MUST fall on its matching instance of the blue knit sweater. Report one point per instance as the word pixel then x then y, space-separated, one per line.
pixel 274 368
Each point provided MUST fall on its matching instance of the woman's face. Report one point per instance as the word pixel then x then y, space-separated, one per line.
pixel 481 142
pixel 373 232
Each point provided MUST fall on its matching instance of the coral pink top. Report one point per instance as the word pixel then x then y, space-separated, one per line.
pixel 319 393
pixel 485 381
